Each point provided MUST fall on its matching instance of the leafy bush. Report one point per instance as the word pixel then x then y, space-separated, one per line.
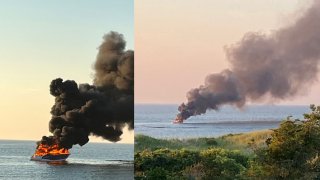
pixel 293 149
pixel 213 162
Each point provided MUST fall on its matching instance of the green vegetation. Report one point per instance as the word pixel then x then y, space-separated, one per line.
pixel 143 142
pixel 289 152
pixel 230 141
pixel 293 149
pixel 173 164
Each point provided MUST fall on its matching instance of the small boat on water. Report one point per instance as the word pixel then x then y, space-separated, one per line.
pixel 50 157
pixel 50 153
pixel 177 121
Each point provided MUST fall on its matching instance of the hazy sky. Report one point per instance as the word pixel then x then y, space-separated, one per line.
pixel 179 42
pixel 43 40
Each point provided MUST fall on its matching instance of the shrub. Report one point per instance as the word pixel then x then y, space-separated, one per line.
pixel 293 149
pixel 213 162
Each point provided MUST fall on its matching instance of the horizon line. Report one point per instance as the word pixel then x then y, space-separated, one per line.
pixel 260 104
pixel 98 142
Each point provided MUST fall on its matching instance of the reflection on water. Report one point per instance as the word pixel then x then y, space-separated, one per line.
pixel 54 163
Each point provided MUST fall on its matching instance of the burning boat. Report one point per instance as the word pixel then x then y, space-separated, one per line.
pixel 46 152
pixel 177 121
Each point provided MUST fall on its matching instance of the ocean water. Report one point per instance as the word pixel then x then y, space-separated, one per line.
pixel 156 120
pixel 91 161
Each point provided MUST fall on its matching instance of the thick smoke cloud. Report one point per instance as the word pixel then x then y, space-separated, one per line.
pixel 275 66
pixel 102 109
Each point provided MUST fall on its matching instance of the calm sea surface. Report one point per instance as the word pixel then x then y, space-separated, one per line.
pixel 91 161
pixel 156 120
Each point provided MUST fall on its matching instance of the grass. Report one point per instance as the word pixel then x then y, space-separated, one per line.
pixel 231 141
pixel 146 142
pixel 257 137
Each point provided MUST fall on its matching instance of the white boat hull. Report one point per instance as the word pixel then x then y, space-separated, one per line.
pixel 50 158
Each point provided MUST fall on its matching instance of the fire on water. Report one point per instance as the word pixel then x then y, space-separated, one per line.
pixel 53 152
pixel 178 121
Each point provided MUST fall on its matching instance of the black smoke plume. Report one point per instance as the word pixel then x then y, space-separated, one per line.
pixel 272 66
pixel 102 109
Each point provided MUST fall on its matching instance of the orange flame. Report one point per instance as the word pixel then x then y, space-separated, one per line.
pixel 178 120
pixel 54 149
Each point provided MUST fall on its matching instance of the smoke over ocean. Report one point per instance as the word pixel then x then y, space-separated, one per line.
pixel 275 66
pixel 102 109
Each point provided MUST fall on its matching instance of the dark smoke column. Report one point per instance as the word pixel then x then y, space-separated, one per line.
pixel 102 109
pixel 270 67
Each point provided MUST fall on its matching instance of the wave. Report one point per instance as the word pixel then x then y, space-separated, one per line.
pixel 100 162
